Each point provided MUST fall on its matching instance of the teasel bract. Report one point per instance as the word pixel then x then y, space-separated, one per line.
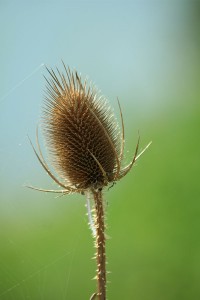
pixel 86 147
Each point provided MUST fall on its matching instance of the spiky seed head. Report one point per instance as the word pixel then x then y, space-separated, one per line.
pixel 82 135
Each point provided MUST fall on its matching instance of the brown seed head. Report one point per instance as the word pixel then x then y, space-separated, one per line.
pixel 82 135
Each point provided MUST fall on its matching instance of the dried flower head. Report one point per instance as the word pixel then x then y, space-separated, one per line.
pixel 81 132
pixel 82 135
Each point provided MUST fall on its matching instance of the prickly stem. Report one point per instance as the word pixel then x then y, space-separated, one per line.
pixel 100 245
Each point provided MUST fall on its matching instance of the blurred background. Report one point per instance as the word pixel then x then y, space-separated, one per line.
pixel 146 53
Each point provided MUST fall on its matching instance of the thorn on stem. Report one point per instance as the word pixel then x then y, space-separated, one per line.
pixel 93 296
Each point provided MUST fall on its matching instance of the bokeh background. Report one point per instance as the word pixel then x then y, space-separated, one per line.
pixel 147 53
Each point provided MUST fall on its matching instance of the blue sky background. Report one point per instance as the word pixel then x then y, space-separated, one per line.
pixel 135 50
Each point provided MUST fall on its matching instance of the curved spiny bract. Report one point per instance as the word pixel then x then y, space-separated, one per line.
pixel 82 135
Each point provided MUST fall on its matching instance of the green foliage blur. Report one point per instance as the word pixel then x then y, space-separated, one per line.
pixel 153 214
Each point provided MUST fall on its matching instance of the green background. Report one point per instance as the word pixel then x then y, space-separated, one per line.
pixel 147 54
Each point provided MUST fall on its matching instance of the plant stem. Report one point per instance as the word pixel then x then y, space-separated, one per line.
pixel 100 245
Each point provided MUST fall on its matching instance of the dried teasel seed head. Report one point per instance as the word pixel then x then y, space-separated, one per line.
pixel 82 135
pixel 86 149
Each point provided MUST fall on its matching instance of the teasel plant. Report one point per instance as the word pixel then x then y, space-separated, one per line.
pixel 86 150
